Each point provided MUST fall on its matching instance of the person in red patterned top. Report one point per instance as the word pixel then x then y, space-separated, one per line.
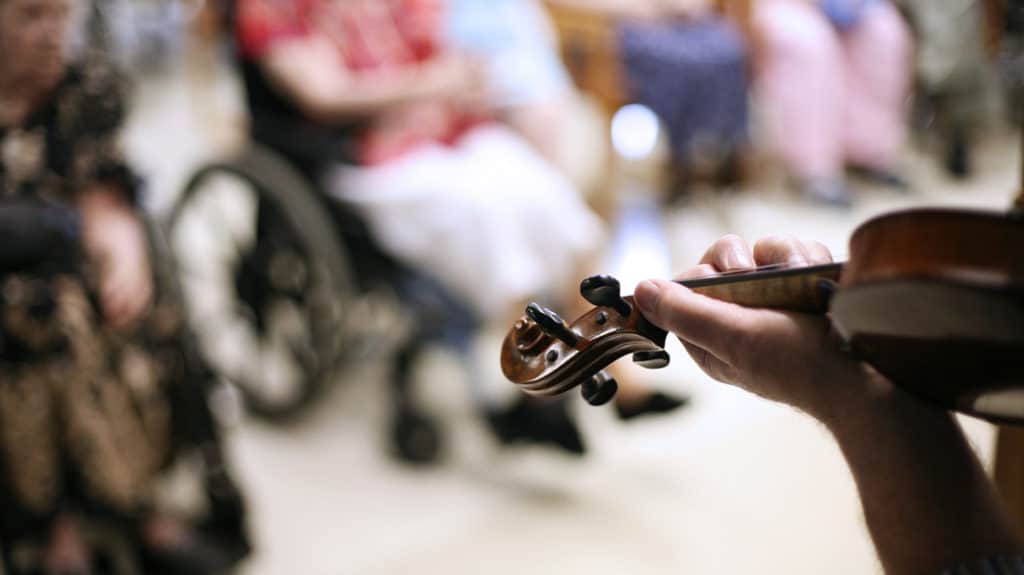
pixel 92 363
pixel 442 186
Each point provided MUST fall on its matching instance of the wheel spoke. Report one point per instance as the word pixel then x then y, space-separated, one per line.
pixel 275 352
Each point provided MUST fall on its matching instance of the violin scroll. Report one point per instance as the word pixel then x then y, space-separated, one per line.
pixel 599 389
pixel 546 356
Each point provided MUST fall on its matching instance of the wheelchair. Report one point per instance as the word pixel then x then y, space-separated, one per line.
pixel 286 286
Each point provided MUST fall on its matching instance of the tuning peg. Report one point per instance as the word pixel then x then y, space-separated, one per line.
pixel 651 359
pixel 599 389
pixel 827 289
pixel 604 291
pixel 552 324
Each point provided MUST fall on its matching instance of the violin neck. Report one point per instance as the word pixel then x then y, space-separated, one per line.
pixel 804 289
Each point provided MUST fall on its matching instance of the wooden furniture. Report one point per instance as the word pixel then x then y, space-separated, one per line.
pixel 1009 470
pixel 587 39
pixel 1009 464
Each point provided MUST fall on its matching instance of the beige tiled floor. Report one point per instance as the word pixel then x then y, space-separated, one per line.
pixel 730 485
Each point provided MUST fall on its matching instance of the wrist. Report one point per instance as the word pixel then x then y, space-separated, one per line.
pixel 872 401
pixel 856 392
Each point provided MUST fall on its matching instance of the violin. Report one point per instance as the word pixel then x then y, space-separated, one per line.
pixel 931 298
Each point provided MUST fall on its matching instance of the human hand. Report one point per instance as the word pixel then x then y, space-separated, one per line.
pixel 459 79
pixel 115 240
pixel 787 357
pixel 477 98
pixel 66 550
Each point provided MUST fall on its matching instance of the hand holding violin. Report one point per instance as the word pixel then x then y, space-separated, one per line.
pixel 931 299
pixel 790 357
pixel 927 502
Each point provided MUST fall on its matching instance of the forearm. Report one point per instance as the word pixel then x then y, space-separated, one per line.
pixel 927 501
pixel 310 74
pixel 364 97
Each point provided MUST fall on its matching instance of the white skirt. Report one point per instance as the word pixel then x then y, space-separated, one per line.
pixel 490 218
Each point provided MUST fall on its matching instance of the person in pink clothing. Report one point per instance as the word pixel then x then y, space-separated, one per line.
pixel 833 76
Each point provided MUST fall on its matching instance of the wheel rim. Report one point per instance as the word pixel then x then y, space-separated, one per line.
pixel 276 347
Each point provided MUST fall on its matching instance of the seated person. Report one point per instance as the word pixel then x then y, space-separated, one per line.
pixel 833 77
pixel 530 88
pixel 928 504
pixel 88 357
pixel 442 185
pixel 954 72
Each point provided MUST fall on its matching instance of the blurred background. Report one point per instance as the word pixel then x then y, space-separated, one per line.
pixel 353 200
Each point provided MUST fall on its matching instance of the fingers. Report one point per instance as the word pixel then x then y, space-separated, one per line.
pixel 789 250
pixel 714 325
pixel 698 271
pixel 818 252
pixel 730 252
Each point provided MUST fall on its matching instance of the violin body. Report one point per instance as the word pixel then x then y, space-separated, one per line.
pixel 933 299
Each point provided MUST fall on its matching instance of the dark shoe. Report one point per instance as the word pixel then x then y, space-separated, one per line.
pixel 827 191
pixel 880 176
pixel 416 437
pixel 199 554
pixel 958 157
pixel 655 404
pixel 537 422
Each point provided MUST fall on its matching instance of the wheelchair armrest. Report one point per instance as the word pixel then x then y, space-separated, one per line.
pixel 36 236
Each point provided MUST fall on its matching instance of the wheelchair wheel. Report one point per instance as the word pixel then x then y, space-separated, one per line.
pixel 266 282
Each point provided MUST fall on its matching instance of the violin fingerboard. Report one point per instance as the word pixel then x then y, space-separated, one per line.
pixel 807 293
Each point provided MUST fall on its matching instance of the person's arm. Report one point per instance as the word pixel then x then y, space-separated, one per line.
pixel 104 189
pixel 308 70
pixel 927 502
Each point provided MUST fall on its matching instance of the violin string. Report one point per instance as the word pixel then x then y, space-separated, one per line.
pixel 765 268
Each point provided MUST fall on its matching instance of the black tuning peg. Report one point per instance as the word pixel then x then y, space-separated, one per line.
pixel 651 359
pixel 827 289
pixel 599 389
pixel 605 291
pixel 552 324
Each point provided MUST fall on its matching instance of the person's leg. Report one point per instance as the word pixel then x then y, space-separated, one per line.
pixel 420 210
pixel 800 83
pixel 799 80
pixel 876 78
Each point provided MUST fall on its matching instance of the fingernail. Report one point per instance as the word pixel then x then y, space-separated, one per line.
pixel 646 295
pixel 740 259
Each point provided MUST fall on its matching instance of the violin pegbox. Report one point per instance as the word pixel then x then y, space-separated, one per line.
pixel 546 356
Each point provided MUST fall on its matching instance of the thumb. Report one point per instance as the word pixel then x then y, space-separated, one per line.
pixel 708 323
